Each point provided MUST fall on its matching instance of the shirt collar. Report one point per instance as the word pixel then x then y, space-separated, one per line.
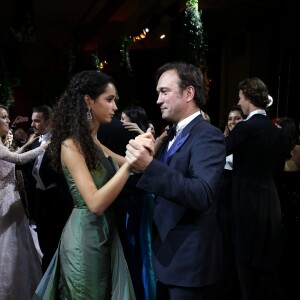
pixel 45 137
pixel 256 112
pixel 186 121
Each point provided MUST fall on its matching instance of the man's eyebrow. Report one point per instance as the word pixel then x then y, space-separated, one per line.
pixel 162 89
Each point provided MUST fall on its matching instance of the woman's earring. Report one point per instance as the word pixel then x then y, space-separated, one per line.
pixel 89 116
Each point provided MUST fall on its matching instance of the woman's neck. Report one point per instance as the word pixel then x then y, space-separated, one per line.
pixel 94 135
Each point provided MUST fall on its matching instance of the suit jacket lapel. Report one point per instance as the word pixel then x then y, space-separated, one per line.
pixel 181 139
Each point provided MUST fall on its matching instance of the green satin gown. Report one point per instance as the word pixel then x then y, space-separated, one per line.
pixel 89 263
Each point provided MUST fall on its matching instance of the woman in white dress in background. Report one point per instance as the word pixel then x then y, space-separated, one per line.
pixel 20 267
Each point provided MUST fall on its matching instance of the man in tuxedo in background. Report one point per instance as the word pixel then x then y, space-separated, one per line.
pixel 52 199
pixel 259 150
pixel 184 176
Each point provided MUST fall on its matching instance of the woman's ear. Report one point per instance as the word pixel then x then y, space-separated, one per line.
pixel 87 100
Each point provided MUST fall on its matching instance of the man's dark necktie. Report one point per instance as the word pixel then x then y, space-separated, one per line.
pixel 171 132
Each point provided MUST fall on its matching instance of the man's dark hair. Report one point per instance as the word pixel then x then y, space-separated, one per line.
pixel 45 110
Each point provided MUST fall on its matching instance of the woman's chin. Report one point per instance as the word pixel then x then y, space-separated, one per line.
pixel 108 120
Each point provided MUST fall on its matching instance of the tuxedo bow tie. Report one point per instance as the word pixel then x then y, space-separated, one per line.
pixel 171 132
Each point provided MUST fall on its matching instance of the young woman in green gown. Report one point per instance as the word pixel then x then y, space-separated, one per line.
pixel 89 262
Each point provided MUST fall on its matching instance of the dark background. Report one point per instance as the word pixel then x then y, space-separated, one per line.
pixel 42 43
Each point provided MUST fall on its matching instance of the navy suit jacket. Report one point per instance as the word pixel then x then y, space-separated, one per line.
pixel 187 249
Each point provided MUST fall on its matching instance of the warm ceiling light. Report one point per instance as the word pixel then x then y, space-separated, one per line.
pixel 141 35
pixel 102 64
pixel 162 36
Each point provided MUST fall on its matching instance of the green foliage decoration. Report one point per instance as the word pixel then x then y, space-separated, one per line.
pixel 97 61
pixel 6 97
pixel 125 47
pixel 191 41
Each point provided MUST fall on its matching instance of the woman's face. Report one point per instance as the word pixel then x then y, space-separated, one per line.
pixel 104 107
pixel 4 122
pixel 152 129
pixel 233 118
pixel 125 118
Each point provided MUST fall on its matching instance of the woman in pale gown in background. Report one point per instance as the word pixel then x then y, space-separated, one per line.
pixel 20 267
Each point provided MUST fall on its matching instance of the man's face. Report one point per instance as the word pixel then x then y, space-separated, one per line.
pixel 39 124
pixel 170 98
pixel 244 103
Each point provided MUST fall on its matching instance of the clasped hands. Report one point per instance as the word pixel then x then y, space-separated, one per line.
pixel 140 152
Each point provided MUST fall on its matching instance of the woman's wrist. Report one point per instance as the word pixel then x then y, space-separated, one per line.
pixel 160 140
pixel 25 146
pixel 128 167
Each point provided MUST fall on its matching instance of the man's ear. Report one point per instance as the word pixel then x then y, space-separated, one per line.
pixel 190 91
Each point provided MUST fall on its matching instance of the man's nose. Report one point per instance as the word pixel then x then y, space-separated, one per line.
pixel 158 101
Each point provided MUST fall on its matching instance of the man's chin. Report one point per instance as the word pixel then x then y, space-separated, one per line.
pixel 164 115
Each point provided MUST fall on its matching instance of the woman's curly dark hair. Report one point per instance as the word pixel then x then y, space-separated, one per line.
pixel 70 116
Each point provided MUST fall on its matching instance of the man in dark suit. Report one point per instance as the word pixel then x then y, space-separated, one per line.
pixel 53 202
pixel 259 150
pixel 187 252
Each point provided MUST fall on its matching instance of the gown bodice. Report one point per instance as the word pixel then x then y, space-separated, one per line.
pixel 104 171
